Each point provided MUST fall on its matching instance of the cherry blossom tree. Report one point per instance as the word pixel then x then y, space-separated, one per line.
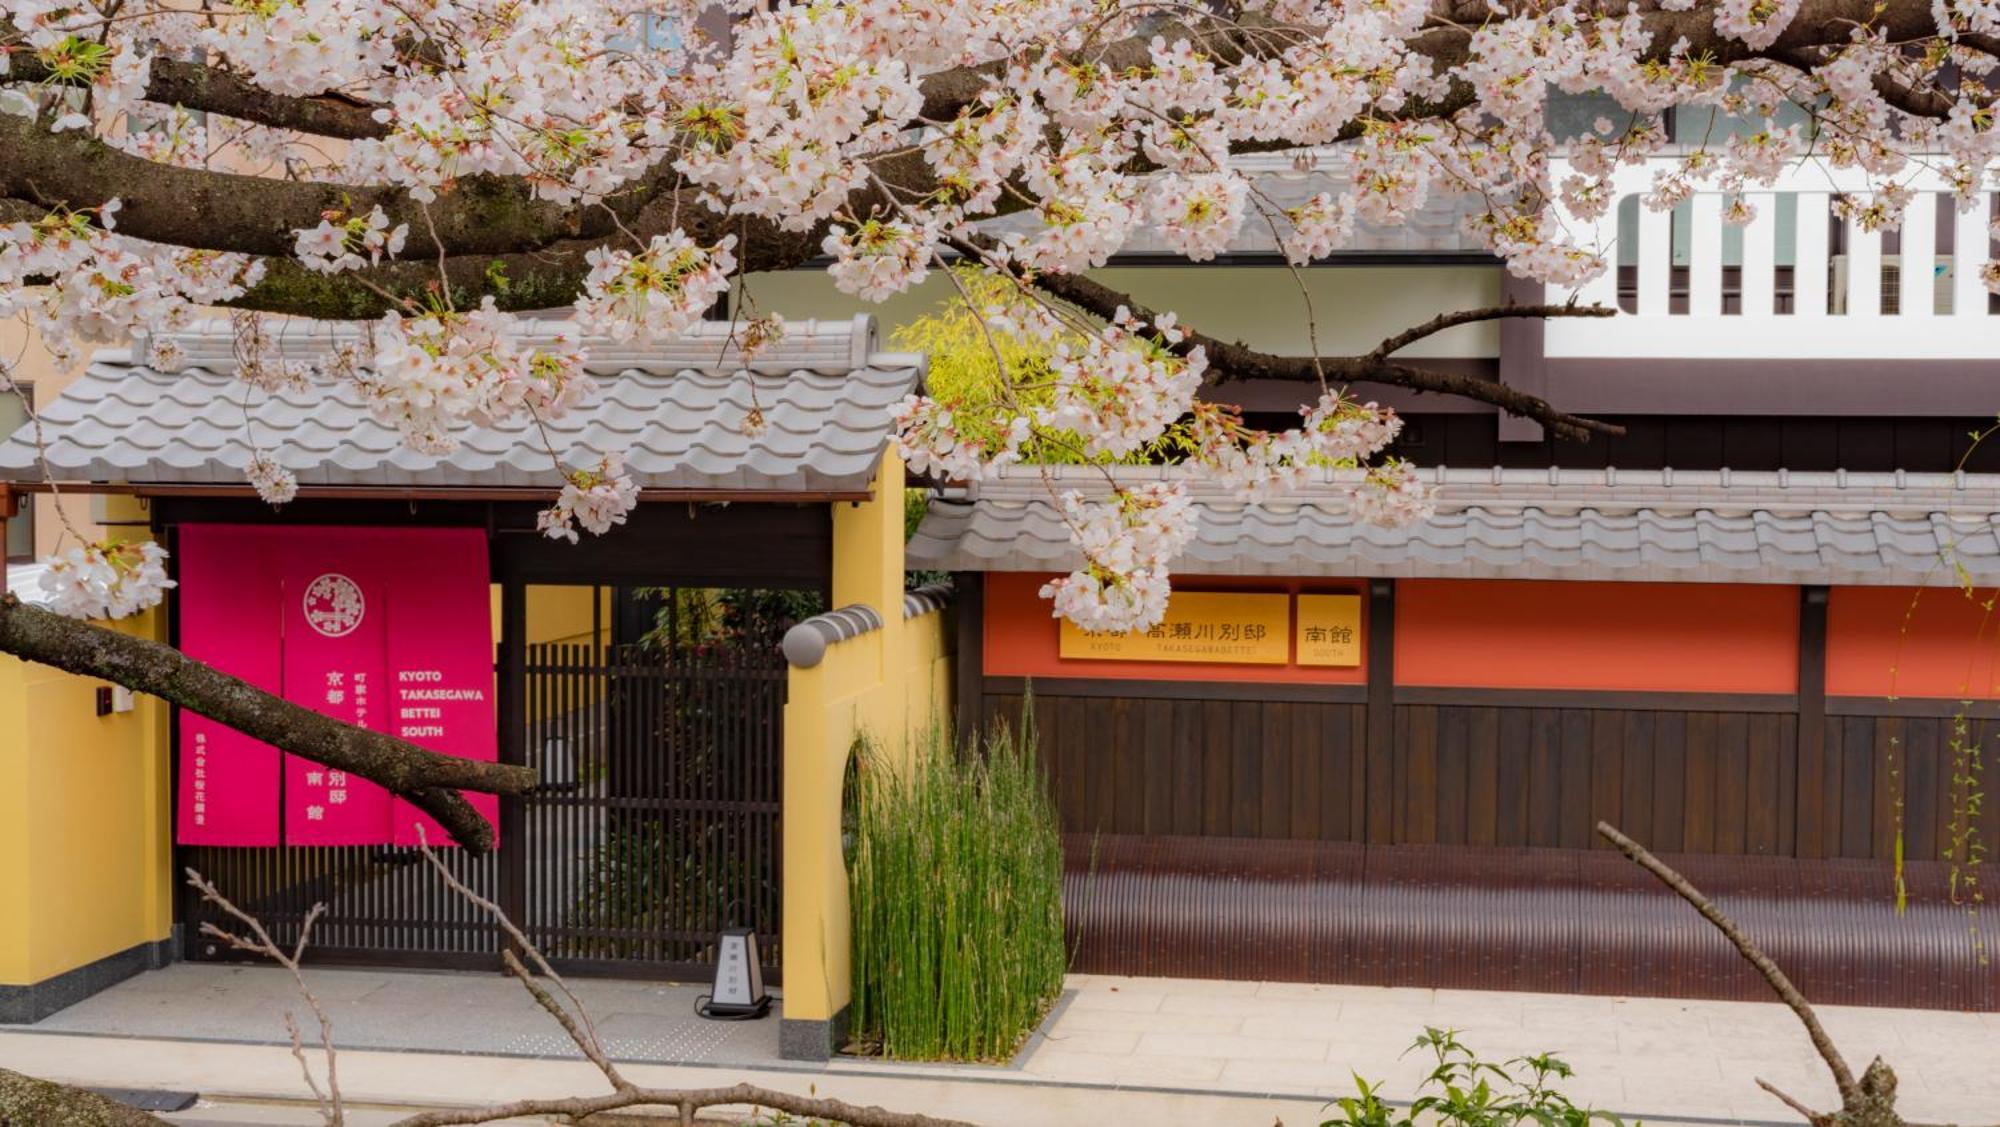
pixel 433 168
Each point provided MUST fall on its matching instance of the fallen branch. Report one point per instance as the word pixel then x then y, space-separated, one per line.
pixel 1843 1076
pixel 430 781
pixel 687 1101
pixel 624 1094
pixel 1867 1102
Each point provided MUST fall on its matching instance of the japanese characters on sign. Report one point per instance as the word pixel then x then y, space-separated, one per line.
pixel 1235 628
pixel 1329 630
pixel 1199 626
pixel 229 788
pixel 337 620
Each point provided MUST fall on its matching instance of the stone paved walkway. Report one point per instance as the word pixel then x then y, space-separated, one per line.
pixel 435 1011
pixel 1653 1058
pixel 1163 1051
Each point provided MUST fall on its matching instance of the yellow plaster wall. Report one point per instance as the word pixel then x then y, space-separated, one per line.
pixel 14 882
pixel 561 614
pixel 85 854
pixel 888 684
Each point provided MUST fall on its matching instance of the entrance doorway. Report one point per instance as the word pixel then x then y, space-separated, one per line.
pixel 654 717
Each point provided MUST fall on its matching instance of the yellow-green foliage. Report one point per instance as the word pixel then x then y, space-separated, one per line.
pixel 979 372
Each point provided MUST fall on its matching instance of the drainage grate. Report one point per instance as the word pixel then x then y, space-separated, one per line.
pixel 148 1099
pixel 672 1042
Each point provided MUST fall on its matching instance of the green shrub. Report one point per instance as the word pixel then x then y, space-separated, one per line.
pixel 955 875
pixel 1464 1091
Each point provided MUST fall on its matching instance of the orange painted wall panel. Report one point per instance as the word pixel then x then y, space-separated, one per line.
pixel 1633 637
pixel 1022 637
pixel 1904 642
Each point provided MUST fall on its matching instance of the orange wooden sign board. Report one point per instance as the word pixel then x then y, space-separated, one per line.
pixel 1329 630
pixel 1250 629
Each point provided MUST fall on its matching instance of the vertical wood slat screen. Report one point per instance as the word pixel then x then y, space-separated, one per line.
pixel 1685 781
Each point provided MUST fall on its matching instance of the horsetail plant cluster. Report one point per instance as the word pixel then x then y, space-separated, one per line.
pixel 955 874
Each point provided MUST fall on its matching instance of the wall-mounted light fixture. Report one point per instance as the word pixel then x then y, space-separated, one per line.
pixel 114 698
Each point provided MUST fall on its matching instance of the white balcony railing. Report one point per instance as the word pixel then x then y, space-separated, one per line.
pixel 1805 293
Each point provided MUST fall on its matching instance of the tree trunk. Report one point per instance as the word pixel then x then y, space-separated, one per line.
pixel 28 1102
pixel 429 780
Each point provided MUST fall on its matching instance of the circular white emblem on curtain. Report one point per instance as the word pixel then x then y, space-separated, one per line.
pixel 333 605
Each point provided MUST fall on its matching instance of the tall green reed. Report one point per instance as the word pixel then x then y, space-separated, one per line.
pixel 955 880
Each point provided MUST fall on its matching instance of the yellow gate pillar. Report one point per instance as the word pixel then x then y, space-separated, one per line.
pixel 844 683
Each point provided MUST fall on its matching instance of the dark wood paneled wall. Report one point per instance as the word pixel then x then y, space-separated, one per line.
pixel 1216 768
pixel 1683 781
pixel 1875 763
pixel 1684 773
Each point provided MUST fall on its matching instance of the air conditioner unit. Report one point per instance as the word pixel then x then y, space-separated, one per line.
pixel 1891 284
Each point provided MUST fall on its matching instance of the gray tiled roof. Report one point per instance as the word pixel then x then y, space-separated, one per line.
pixel 1709 527
pixel 675 411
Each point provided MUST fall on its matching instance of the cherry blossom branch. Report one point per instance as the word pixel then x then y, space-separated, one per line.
pixel 501 215
pixel 1236 362
pixel 430 781
pixel 224 211
pixel 208 89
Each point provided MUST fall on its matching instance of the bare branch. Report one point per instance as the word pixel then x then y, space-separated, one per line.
pixel 427 779
pixel 1851 1093
pixel 575 1021
pixel 1444 321
pixel 259 942
pixel 587 1036
pixel 1867 1102
pixel 584 1038
pixel 1809 1114
pixel 1843 1076
pixel 688 1099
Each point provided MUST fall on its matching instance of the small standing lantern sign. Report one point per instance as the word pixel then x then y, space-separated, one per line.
pixel 739 980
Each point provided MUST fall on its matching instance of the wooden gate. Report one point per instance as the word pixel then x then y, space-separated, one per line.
pixel 656 825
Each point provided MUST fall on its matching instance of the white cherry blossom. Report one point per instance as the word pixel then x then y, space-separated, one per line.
pixel 596 498
pixel 1077 128
pixel 657 294
pixel 107 579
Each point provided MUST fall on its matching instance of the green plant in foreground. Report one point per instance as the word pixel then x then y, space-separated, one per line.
pixel 1464 1091
pixel 955 880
